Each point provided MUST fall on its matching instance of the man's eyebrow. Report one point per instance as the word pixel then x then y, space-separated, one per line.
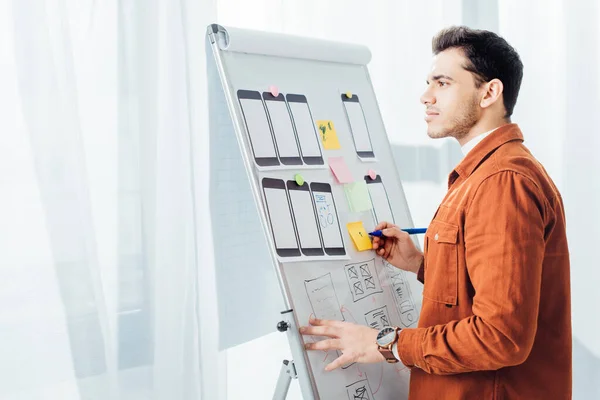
pixel 438 77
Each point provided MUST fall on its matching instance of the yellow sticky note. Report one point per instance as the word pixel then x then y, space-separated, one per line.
pixel 359 236
pixel 328 135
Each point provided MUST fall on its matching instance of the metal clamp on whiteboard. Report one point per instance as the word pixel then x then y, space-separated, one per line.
pixel 283 326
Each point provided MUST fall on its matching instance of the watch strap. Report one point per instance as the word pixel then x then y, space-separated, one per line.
pixel 388 355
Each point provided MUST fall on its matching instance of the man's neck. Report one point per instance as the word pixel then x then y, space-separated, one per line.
pixel 482 127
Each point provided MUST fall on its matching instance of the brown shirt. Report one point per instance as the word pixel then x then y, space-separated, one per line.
pixel 496 315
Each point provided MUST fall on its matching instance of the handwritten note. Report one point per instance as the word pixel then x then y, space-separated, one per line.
pixel 359 236
pixel 358 196
pixel 328 135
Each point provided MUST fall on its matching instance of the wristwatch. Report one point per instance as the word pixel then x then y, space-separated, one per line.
pixel 385 341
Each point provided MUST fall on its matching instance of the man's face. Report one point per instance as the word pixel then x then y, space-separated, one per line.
pixel 451 99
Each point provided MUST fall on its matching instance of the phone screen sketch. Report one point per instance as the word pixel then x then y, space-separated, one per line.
pixel 280 217
pixel 382 209
pixel 328 218
pixel 285 138
pixel 306 222
pixel 257 125
pixel 305 129
pixel 358 126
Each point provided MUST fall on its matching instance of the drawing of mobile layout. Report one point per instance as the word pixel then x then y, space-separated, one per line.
pixel 280 217
pixel 323 298
pixel 402 296
pixel 281 121
pixel 360 390
pixel 378 318
pixel 303 210
pixel 382 210
pixel 304 223
pixel 324 301
pixel 258 128
pixel 358 126
pixel 281 130
pixel 328 219
pixel 362 279
pixel 305 129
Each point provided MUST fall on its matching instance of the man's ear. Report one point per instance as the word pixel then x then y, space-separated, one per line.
pixel 493 93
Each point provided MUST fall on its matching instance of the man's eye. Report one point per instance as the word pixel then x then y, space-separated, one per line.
pixel 442 83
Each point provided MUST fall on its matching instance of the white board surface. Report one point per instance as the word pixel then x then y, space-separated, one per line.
pixel 318 267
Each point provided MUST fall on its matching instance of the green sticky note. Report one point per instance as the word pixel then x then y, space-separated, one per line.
pixel 358 196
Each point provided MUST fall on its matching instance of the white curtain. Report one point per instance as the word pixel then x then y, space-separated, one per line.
pixel 106 283
pixel 559 42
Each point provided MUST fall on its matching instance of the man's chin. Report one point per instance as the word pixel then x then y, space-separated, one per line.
pixel 436 134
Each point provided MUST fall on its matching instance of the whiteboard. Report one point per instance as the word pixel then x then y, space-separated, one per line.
pixel 283 94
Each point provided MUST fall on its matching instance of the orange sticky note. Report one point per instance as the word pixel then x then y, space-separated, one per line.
pixel 328 135
pixel 340 169
pixel 359 236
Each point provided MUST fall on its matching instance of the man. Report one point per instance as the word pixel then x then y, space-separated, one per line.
pixel 495 321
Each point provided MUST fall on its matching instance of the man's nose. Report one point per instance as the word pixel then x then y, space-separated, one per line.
pixel 427 98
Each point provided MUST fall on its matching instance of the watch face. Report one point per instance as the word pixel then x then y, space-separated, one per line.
pixel 386 336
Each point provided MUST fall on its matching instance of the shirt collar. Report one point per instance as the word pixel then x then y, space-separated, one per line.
pixel 467 147
pixel 504 134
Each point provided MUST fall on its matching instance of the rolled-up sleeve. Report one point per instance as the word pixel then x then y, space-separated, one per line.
pixel 504 242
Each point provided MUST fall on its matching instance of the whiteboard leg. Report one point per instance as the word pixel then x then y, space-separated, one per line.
pixel 286 374
pixel 300 366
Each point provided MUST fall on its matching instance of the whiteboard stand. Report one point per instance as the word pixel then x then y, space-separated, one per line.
pixel 287 373
pixel 288 367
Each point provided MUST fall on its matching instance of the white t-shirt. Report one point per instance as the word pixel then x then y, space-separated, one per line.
pixel 470 145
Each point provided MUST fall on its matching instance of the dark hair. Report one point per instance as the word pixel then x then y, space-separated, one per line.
pixel 490 57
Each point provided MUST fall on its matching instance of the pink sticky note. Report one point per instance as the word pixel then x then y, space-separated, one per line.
pixel 372 174
pixel 274 90
pixel 340 169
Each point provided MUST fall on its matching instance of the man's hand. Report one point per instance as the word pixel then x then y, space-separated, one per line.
pixel 397 248
pixel 356 342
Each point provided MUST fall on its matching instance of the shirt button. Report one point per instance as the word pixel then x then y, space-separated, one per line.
pixel 436 237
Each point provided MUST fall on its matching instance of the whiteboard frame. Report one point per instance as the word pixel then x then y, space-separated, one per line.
pixel 218 38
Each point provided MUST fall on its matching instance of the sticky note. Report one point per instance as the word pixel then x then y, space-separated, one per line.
pixel 328 135
pixel 340 169
pixel 349 95
pixel 358 196
pixel 274 90
pixel 299 179
pixel 359 236
pixel 372 174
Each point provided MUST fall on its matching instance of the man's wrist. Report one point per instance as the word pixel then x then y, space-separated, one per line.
pixel 418 262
